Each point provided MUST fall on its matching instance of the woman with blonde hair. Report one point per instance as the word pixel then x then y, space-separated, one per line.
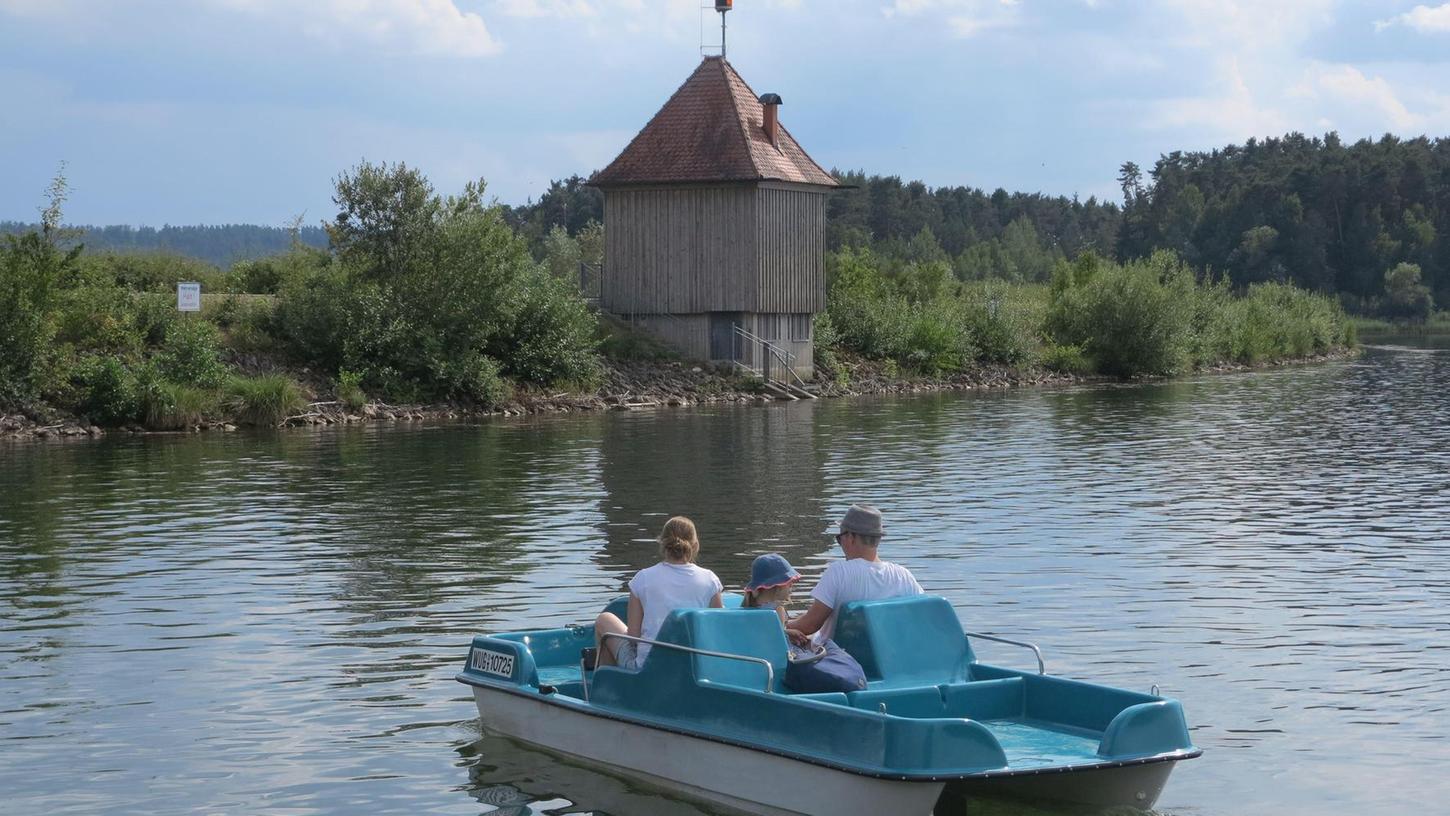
pixel 676 582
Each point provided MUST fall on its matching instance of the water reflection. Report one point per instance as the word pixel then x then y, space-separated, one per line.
pixel 750 479
pixel 241 623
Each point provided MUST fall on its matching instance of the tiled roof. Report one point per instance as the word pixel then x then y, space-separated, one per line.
pixel 712 129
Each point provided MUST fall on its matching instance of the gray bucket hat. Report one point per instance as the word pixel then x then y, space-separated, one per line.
pixel 862 519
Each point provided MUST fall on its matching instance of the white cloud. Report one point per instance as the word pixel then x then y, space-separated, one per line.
pixel 1234 111
pixel 963 18
pixel 415 27
pixel 1347 86
pixel 1424 19
pixel 561 9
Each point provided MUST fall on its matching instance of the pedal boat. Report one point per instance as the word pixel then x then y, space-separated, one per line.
pixel 707 715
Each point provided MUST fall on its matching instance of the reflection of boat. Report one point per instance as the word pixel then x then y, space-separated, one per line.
pixel 708 715
pixel 515 779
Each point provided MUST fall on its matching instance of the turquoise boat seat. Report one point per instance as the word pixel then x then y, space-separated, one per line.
pixel 904 642
pixel 747 632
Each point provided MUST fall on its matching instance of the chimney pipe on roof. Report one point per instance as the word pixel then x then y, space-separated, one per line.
pixel 772 123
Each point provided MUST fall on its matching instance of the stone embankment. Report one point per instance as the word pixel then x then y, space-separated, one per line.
pixel 626 387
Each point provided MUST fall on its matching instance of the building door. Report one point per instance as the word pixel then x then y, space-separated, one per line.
pixel 724 343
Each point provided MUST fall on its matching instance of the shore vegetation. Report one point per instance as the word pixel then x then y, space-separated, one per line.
pixel 426 297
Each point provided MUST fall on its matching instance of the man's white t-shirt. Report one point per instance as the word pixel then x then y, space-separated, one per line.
pixel 860 580
pixel 666 587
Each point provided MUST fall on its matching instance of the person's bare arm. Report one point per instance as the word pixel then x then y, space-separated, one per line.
pixel 801 628
pixel 716 602
pixel 636 616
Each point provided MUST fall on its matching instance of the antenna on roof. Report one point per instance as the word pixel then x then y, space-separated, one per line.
pixel 721 6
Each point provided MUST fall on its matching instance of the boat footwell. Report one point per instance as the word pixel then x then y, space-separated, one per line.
pixel 739 778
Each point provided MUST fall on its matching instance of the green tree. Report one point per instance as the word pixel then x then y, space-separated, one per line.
pixel 33 269
pixel 433 297
pixel 561 254
pixel 1405 296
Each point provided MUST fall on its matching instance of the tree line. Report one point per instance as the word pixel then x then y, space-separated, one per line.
pixel 1367 222
pixel 217 244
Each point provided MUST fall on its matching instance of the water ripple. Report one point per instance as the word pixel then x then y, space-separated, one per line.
pixel 270 623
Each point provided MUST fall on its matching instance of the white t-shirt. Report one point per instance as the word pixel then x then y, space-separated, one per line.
pixel 665 587
pixel 860 580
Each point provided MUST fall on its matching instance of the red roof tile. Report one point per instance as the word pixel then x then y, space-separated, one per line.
pixel 712 129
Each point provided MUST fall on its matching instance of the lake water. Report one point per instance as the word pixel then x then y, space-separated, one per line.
pixel 248 623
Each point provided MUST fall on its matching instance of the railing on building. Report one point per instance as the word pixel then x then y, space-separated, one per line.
pixel 776 368
pixel 591 281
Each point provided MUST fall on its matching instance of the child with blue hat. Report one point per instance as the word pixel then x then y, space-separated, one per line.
pixel 771 577
pixel 811 668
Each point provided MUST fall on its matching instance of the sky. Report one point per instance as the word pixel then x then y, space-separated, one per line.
pixel 245 111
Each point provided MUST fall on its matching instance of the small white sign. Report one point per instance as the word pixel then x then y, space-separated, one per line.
pixel 188 297
pixel 491 662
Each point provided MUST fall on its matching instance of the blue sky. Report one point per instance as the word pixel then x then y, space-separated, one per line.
pixel 213 111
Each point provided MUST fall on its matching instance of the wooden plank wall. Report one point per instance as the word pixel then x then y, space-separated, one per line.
pixel 680 250
pixel 792 228
pixel 725 248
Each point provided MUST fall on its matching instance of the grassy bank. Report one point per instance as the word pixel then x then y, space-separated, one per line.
pixel 1437 324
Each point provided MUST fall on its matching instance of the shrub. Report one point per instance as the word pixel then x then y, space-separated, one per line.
pixel 264 401
pixel 157 272
pixel 153 316
pixel 106 391
pixel 270 275
pixel 1405 296
pixel 937 339
pixel 553 338
pixel 175 407
pixel 317 314
pixel 1067 360
pixel 32 270
pixel 620 341
pixel 349 390
pixel 1132 319
pixel 100 319
pixel 189 355
pixel 248 322
pixel 825 340
pixel 999 331
pixel 431 296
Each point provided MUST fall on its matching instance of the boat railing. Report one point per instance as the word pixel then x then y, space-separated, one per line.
pixel 769 669
pixel 1041 666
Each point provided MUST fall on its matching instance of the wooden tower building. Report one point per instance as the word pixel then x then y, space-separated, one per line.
pixel 715 227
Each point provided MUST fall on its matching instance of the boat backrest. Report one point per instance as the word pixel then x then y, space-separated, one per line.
pixel 911 641
pixel 747 632
pixel 619 607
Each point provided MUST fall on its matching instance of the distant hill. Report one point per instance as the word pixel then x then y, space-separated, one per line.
pixel 221 244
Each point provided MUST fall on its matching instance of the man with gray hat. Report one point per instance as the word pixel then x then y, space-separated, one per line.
pixel 861 577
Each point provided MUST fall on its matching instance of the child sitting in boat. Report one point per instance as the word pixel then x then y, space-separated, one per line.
pixel 811 667
pixel 676 582
pixel 771 578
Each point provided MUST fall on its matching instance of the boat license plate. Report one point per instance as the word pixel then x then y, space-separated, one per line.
pixel 490 662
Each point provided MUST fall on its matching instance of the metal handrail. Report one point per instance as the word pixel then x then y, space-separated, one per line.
pixel 769 669
pixel 1041 665
pixel 780 354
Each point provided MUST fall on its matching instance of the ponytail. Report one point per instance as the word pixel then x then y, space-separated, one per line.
pixel 678 540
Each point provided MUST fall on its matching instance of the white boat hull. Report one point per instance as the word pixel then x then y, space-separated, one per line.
pixel 739 778
pixel 1133 785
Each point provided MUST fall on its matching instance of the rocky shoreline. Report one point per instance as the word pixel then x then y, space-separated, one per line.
pixel 632 386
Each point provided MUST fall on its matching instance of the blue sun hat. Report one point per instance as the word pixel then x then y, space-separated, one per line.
pixel 770 570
